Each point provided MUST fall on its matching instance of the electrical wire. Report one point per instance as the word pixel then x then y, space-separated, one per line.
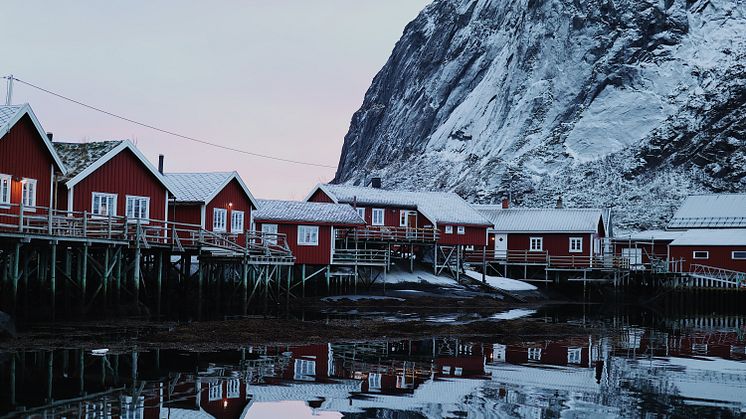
pixel 165 131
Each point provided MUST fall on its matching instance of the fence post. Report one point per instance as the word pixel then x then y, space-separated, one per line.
pixel 108 233
pixel 85 223
pixel 49 221
pixel 20 217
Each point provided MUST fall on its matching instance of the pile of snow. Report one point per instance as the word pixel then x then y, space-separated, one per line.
pixel 516 313
pixel 419 277
pixel 498 282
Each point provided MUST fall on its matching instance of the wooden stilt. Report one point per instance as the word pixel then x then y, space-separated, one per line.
pixel 15 275
pixel 200 278
pixel 84 276
pixel 245 286
pixel 53 278
pixel 105 279
pixel 303 280
pixel 159 282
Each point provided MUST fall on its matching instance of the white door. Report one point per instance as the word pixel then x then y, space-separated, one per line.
pixel 634 255
pixel 501 245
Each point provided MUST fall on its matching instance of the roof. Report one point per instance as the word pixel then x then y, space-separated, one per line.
pixel 711 211
pixel 651 235
pixel 438 207
pixel 203 187
pixel 542 219
pixel 11 114
pixel 82 159
pixel 310 212
pixel 711 237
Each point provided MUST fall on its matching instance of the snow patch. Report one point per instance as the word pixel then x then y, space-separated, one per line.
pixel 498 282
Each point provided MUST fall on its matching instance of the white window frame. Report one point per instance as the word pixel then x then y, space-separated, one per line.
pixel 574 355
pixel 403 218
pixel 235 226
pixel 361 212
pixel 6 189
pixel 104 196
pixel 733 255
pixel 499 352
pixel 534 354
pixel 378 216
pixel 461 230
pixel 130 216
pixel 215 390
pixel 539 240
pixel 304 369
pixel 233 388
pixel 449 229
pixel 310 240
pixel 219 223
pixel 706 252
pixel 374 381
pixel 270 229
pixel 579 242
pixel 28 198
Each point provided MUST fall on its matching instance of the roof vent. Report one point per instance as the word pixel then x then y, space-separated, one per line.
pixel 50 136
pixel 559 205
pixel 375 182
pixel 160 163
pixel 506 202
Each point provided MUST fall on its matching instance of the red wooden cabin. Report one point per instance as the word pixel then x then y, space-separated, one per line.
pixel 112 179
pixel 308 226
pixel 219 202
pixel 28 164
pixel 441 217
pixel 562 238
pixel 717 248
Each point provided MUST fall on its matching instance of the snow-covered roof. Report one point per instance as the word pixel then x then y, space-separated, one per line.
pixel 307 212
pixel 11 114
pixel 82 159
pixel 438 207
pixel 203 187
pixel 651 235
pixel 711 237
pixel 545 220
pixel 711 211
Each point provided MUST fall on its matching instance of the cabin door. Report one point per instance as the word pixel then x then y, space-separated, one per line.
pixel 501 245
pixel 412 219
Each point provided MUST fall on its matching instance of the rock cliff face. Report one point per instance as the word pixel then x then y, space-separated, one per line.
pixel 629 104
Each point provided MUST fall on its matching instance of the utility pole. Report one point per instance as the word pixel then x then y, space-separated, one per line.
pixel 9 97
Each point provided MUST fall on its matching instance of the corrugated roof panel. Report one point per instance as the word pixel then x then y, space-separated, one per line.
pixel 310 212
pixel 711 237
pixel 196 187
pixel 7 113
pixel 542 219
pixel 711 211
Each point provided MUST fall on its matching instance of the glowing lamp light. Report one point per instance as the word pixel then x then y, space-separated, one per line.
pixel 225 404
pixel 230 204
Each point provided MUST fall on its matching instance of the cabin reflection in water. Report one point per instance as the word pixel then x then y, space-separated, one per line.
pixel 608 375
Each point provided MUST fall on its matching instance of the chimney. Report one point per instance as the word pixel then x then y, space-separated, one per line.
pixel 559 203
pixel 376 182
pixel 506 202
pixel 160 163
pixel 50 136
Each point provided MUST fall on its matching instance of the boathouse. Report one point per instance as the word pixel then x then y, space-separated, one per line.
pixel 710 211
pixel 708 249
pixel 28 164
pixel 112 179
pixel 310 227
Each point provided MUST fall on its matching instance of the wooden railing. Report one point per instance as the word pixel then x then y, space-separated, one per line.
pixel 724 277
pixel 389 233
pixel 543 258
pixel 360 257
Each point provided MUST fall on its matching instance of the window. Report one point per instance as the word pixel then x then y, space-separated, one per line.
pixel 218 219
pixel 361 212
pixel 215 391
pixel 271 231
pixel 308 235
pixel 237 221
pixel 458 371
pixel 378 216
pixel 374 381
pixel 536 244
pixel 576 244
pixel 104 204
pixel 233 388
pixel 700 254
pixel 5 182
pixel 534 354
pixel 738 255
pixel 28 194
pixel 446 370
pixel 138 208
pixel 499 352
pixel 461 230
pixel 449 229
pixel 403 218
pixel 574 355
pixel 634 255
pixel 304 369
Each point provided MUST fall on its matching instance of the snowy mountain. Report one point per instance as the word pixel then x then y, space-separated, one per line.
pixel 629 104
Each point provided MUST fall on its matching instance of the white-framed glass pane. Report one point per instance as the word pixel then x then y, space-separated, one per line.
pixel 536 243
pixel 271 231
pixel 103 204
pixel 449 229
pixel 534 354
pixel 218 219
pixel 215 391
pixel 308 235
pixel 701 254
pixel 237 221
pixel 738 255
pixel 576 244
pixel 378 216
pixel 361 212
pixel 28 192
pixel 233 388
pixel 137 208
pixel 461 230
pixel 403 218
pixel 574 355
pixel 5 182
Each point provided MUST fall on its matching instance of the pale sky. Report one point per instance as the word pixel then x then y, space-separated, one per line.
pixel 278 77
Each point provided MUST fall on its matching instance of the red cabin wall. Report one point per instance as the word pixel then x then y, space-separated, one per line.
pixel 305 255
pixel 474 236
pixel 232 193
pixel 123 175
pixel 320 196
pixel 187 214
pixel 720 256
pixel 556 244
pixel 25 156
pixel 658 249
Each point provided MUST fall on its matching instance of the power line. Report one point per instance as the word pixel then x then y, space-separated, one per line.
pixel 175 134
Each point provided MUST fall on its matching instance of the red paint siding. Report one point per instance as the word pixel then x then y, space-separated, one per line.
pixel 306 255
pixel 187 214
pixel 320 196
pixel 720 256
pixel 231 194
pixel 658 249
pixel 556 244
pixel 123 175
pixel 474 236
pixel 24 155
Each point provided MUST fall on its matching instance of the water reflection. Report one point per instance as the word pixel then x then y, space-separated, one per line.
pixel 627 371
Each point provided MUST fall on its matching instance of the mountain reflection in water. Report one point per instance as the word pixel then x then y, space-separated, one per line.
pixel 628 371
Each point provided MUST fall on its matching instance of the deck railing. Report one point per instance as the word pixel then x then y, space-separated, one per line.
pixel 724 277
pixel 389 234
pixel 375 257
pixel 543 258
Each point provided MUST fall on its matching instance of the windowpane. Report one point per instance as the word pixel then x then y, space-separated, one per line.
pixel 576 244
pixel 271 231
pixel 461 230
pixel 218 219
pixel 308 235
pixel 5 181
pixel 739 255
pixel 237 221
pixel 378 216
pixel 449 229
pixel 104 204
pixel 536 244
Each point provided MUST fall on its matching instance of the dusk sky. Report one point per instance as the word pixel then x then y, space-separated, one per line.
pixel 273 77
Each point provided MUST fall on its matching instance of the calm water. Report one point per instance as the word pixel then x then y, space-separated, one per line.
pixel 689 366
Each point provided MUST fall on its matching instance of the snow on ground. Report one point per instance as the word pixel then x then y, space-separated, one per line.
pixel 419 277
pixel 505 284
pixel 513 314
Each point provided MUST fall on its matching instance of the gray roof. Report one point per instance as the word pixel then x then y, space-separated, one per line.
pixel 546 220
pixel 650 235
pixel 307 212
pixel 438 207
pixel 711 237
pixel 197 187
pixel 711 211
pixel 7 114
pixel 79 156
